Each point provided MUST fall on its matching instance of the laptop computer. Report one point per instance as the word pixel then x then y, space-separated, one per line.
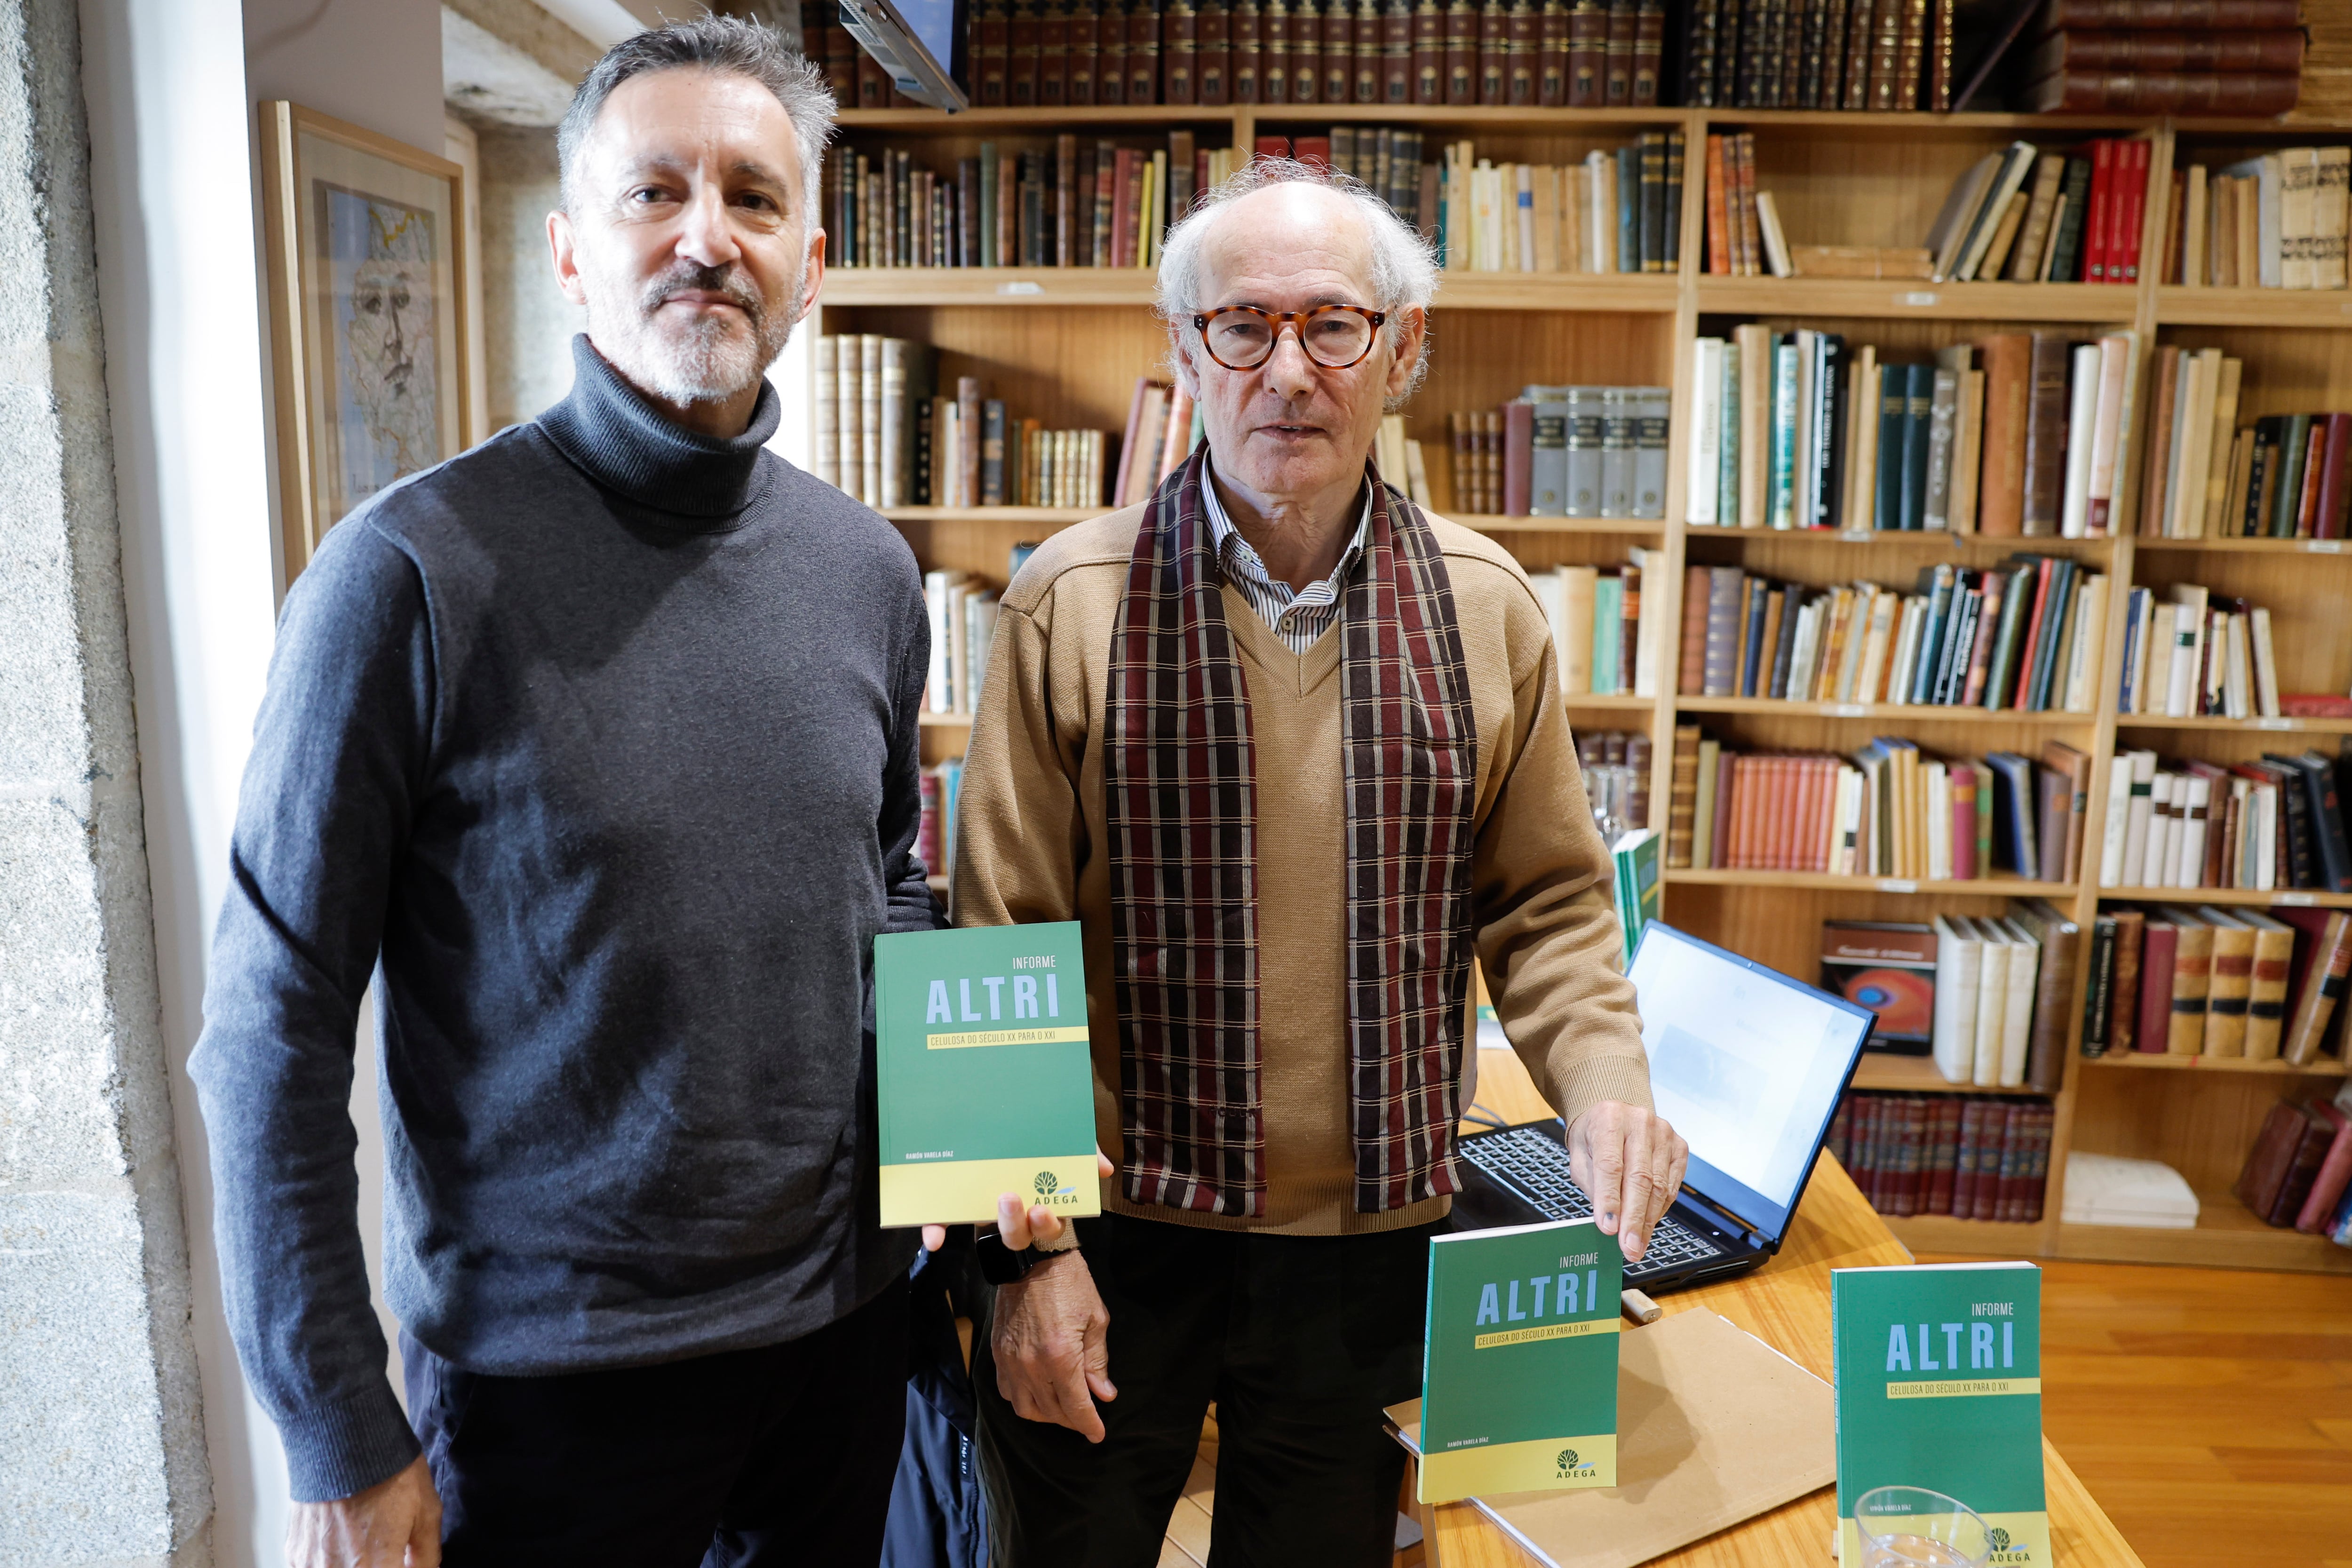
pixel 1747 1064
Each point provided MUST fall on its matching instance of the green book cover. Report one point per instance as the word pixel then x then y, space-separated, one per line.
pixel 982 1079
pixel 1637 857
pixel 1939 1385
pixel 1518 1373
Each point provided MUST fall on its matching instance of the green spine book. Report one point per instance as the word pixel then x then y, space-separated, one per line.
pixel 1918 404
pixel 2293 447
pixel 1894 403
pixel 1636 856
pixel 1938 1372
pixel 983 1083
pixel 1727 475
pixel 1518 1370
pixel 1784 431
pixel 988 203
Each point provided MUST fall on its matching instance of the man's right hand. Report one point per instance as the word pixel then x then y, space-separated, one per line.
pixel 1053 1361
pixel 393 1525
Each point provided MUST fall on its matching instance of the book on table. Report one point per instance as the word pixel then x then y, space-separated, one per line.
pixel 1520 1365
pixel 1938 1373
pixel 984 1084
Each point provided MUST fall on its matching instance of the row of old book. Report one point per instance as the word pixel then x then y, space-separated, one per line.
pixel 1604 646
pixel 2163 56
pixel 2242 984
pixel 2194 654
pixel 2283 476
pixel 1969 1156
pixel 1085 202
pixel 2299 1171
pixel 962 610
pixel 2277 221
pixel 1987 998
pixel 1888 810
pixel 2276 821
pixel 1163 425
pixel 1565 451
pixel 2032 217
pixel 2021 434
pixel 1054 54
pixel 2023 635
pixel 1616 768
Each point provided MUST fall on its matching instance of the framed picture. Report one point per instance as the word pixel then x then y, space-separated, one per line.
pixel 367 260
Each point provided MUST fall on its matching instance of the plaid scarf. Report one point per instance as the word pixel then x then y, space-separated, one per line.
pixel 1180 774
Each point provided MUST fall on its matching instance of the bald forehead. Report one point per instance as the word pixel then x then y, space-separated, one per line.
pixel 1290 231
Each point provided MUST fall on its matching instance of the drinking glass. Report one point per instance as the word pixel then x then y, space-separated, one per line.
pixel 1911 1527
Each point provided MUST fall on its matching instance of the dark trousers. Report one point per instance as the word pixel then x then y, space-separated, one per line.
pixel 779 1455
pixel 1300 1341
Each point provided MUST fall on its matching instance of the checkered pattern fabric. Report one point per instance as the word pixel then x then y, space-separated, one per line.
pixel 1180 775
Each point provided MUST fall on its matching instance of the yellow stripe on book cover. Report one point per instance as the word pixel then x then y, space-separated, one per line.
pixel 949 1189
pixel 2018 1540
pixel 1575 1330
pixel 1963 1387
pixel 1055 1036
pixel 1549 1463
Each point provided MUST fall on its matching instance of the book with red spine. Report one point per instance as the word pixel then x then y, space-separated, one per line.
pixel 2334 1174
pixel 2159 946
pixel 2132 216
pixel 2096 218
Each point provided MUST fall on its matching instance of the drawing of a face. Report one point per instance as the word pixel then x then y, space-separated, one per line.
pixel 390 327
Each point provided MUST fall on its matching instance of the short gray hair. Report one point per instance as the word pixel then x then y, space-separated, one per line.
pixel 718 43
pixel 1404 264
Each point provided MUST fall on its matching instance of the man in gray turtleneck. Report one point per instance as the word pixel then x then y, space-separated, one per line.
pixel 601 739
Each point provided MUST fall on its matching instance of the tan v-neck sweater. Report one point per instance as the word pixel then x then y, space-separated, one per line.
pixel 1032 819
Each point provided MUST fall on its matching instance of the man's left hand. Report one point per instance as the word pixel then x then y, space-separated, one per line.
pixel 1630 1163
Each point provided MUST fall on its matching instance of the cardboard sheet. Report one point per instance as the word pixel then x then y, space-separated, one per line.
pixel 1714 1426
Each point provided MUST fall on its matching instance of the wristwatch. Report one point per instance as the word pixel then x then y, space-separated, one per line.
pixel 1000 1265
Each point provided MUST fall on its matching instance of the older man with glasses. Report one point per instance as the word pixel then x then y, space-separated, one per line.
pixel 1292 752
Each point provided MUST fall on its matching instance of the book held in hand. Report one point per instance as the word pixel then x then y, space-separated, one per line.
pixel 1519 1365
pixel 1938 1371
pixel 983 1083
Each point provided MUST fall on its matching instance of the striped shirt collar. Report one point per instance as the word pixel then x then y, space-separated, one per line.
pixel 1298 617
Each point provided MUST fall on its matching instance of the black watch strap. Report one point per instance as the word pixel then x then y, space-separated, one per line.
pixel 1000 1265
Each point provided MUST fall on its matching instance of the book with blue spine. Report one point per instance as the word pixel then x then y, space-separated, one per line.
pixel 1519 1362
pixel 1784 431
pixel 1938 1373
pixel 983 1081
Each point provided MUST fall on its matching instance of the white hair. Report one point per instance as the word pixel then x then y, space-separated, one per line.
pixel 1404 264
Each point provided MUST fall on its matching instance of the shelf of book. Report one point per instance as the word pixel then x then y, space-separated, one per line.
pixel 2289 725
pixel 1911 712
pixel 2324 1067
pixel 1916 1075
pixel 1981 888
pixel 846 286
pixel 1999 1238
pixel 2225 1235
pixel 2258 898
pixel 2302 309
pixel 1966 548
pixel 1917 299
pixel 1033 119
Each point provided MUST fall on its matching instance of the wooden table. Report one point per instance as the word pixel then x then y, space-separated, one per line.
pixel 1786 1304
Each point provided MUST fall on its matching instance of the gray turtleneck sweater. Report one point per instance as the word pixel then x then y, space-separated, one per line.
pixel 601 739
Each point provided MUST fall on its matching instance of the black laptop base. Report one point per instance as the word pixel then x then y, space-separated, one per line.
pixel 1519 1175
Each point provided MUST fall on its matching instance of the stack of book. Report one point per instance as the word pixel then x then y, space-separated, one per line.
pixel 2275 823
pixel 2020 434
pixel 2284 476
pixel 962 611
pixel 2024 635
pixel 1887 810
pixel 1792 54
pixel 2004 987
pixel 2273 222
pixel 2297 1172
pixel 1565 451
pixel 2197 654
pixel 1616 768
pixel 1605 647
pixel 2102 1189
pixel 1969 1156
pixel 876 439
pixel 1084 203
pixel 2169 57
pixel 2236 984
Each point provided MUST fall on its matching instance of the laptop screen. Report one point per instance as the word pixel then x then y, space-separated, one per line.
pixel 1748 1065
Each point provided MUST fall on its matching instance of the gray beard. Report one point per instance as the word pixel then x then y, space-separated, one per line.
pixel 710 361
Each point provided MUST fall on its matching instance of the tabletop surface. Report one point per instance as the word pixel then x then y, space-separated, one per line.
pixel 1786 1304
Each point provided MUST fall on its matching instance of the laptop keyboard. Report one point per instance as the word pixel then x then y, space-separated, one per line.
pixel 1531 1163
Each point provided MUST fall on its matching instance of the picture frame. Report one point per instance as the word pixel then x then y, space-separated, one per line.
pixel 367 252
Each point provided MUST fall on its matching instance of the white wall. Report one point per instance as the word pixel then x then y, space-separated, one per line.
pixel 170 91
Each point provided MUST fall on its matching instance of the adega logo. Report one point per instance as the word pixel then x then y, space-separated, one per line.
pixel 2001 1554
pixel 1569 1467
pixel 1052 1194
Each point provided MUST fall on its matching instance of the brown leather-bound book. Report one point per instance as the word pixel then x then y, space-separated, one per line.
pixel 1588 52
pixel 1082 46
pixel 1274 33
pixel 2248 94
pixel 2231 983
pixel 2079 49
pixel 1692 679
pixel 1371 53
pixel 2266 989
pixel 840 52
pixel 2199 15
pixel 1249 51
pixel 1461 52
pixel 1519 68
pixel 2062 864
pixel 2053 990
pixel 1143 51
pixel 2324 983
pixel 1681 798
pixel 1306 51
pixel 1021 74
pixel 2310 1153
pixel 1213 54
pixel 1396 51
pixel 1110 53
pixel 2156 475
pixel 2192 981
pixel 1180 44
pixel 1789 54
pixel 2123 990
pixel 2009 394
pixel 1338 85
pixel 1551 53
pixel 1649 50
pixel 1939 94
pixel 1493 52
pixel 1861 28
pixel 1886 44
pixel 1428 52
pixel 992 51
pixel 1911 54
pixel 1054 53
pixel 1617 68
pixel 2046 436
pixel 2272 1156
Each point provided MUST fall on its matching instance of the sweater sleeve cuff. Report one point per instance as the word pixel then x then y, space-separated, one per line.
pixel 335 1450
pixel 1581 1085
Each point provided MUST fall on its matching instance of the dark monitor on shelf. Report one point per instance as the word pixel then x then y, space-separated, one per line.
pixel 920 43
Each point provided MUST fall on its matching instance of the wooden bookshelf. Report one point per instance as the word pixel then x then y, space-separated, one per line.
pixel 1839 178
